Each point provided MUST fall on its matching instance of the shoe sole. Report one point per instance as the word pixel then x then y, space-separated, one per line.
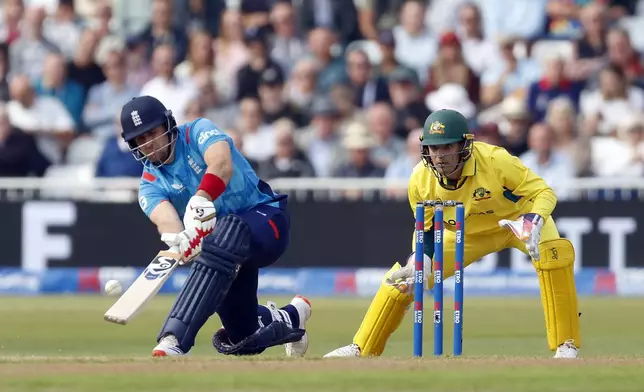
pixel 302 344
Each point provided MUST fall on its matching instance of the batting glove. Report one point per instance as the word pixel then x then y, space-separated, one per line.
pixel 188 241
pixel 528 229
pixel 200 215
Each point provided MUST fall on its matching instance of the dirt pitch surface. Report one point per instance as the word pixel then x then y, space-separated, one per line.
pixel 377 374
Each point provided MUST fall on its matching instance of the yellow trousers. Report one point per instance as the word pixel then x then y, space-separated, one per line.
pixel 556 280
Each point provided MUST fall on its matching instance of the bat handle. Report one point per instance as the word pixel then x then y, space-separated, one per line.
pixel 174 249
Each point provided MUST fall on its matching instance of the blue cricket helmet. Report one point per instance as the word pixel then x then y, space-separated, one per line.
pixel 141 115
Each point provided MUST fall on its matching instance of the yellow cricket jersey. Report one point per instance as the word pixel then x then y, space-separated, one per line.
pixel 497 186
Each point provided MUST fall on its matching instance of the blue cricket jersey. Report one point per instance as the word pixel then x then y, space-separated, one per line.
pixel 178 181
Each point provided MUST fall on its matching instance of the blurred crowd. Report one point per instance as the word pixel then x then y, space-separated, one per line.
pixel 325 88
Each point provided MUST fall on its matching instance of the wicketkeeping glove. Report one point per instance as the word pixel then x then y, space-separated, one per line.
pixel 528 229
pixel 403 278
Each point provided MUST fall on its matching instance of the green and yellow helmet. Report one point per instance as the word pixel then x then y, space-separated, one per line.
pixel 445 127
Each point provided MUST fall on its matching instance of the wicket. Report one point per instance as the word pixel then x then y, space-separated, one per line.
pixel 437 269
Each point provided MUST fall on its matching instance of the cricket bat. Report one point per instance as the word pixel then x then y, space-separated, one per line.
pixel 146 286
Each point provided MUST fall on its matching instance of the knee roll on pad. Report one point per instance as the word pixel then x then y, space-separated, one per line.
pixel 558 292
pixel 383 317
pixel 210 278
pixel 228 246
pixel 274 334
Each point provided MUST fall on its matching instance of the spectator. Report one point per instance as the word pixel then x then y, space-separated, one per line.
pixel 300 88
pixel 479 51
pixel 259 60
pixel 320 141
pixel 511 76
pixel 108 97
pixel 198 15
pixel 201 57
pixel 331 69
pixel 615 99
pixel 402 167
pixel 416 46
pixel 55 83
pixel 622 54
pixel 19 156
pixel 12 13
pixel 139 70
pixel 288 161
pixel 255 13
pixel 103 22
pixel 64 28
pixel 259 139
pixel 44 117
pixel 82 69
pixel 358 143
pixel 369 88
pixel 339 16
pixel 343 97
pixel 381 122
pixel 194 110
pixel 273 101
pixel 4 72
pixel 442 15
pixel 562 119
pixel 592 43
pixel 238 141
pixel 524 19
pixel 116 159
pixel 230 54
pixel 590 47
pixel 515 125
pixel 625 151
pixel 553 166
pixel 407 101
pixel 287 47
pixel 451 96
pixel 161 32
pixel 450 68
pixel 488 133
pixel 28 52
pixel 173 92
pixel 387 45
pixel 220 113
pixel 553 84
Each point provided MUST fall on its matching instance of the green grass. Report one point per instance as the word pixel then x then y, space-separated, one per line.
pixel 63 344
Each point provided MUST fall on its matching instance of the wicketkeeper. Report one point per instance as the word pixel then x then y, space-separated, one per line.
pixel 506 206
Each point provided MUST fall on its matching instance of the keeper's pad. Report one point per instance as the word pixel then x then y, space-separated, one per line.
pixel 383 317
pixel 211 275
pixel 558 291
pixel 274 334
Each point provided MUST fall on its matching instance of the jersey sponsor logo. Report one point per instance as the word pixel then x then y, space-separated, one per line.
pixel 481 194
pixel 206 135
pixel 136 119
pixel 194 166
pixel 178 186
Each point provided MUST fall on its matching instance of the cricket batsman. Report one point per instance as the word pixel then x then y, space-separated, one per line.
pixel 498 193
pixel 206 200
